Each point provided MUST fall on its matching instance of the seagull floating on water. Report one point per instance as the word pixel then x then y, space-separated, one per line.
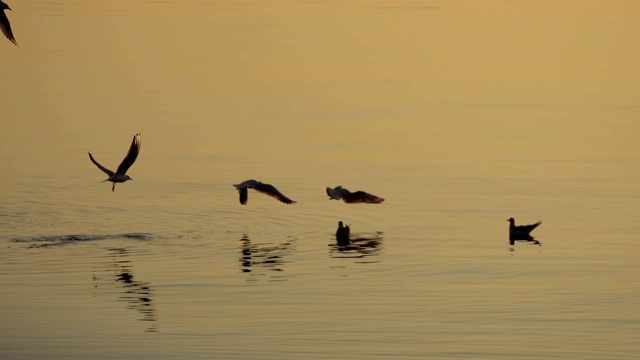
pixel 342 234
pixel 120 174
pixel 521 232
pixel 5 25
pixel 347 196
pixel 261 187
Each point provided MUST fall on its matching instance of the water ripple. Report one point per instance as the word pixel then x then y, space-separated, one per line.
pixel 61 240
pixel 261 258
pixel 137 294
pixel 361 246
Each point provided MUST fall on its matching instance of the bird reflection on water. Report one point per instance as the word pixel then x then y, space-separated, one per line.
pixel 523 238
pixel 264 258
pixel 137 294
pixel 361 245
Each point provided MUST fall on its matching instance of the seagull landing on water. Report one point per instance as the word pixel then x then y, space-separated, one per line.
pixel 347 196
pixel 342 234
pixel 120 174
pixel 5 26
pixel 521 232
pixel 261 187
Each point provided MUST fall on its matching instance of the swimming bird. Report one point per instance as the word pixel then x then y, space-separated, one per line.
pixel 261 187
pixel 347 196
pixel 521 232
pixel 120 174
pixel 342 234
pixel 5 25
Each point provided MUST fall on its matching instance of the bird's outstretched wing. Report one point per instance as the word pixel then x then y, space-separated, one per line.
pixel 244 195
pixel 128 160
pixel 107 171
pixel 527 228
pixel 5 26
pixel 361 196
pixel 271 191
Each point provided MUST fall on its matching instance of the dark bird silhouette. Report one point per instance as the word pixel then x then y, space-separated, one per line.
pixel 521 232
pixel 120 174
pixel 261 187
pixel 347 196
pixel 343 234
pixel 5 25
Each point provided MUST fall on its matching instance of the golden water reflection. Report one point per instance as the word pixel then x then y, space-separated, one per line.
pixel 361 246
pixel 138 295
pixel 259 259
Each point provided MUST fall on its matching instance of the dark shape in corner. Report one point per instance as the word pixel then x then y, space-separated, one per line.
pixel 5 25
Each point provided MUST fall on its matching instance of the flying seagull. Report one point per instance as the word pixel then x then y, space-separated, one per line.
pixel 342 234
pixel 120 174
pixel 521 232
pixel 5 26
pixel 347 196
pixel 261 187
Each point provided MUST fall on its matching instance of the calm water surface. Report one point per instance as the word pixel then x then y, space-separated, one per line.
pixel 460 114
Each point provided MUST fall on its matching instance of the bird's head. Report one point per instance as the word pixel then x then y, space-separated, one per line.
pixel 129 177
pixel 511 220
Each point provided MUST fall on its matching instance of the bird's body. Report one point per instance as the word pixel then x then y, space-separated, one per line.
pixel 5 25
pixel 343 234
pixel 121 174
pixel 521 232
pixel 261 187
pixel 347 196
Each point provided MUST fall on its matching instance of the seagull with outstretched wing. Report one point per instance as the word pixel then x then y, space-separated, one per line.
pixel 121 174
pixel 5 25
pixel 261 187
pixel 347 196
